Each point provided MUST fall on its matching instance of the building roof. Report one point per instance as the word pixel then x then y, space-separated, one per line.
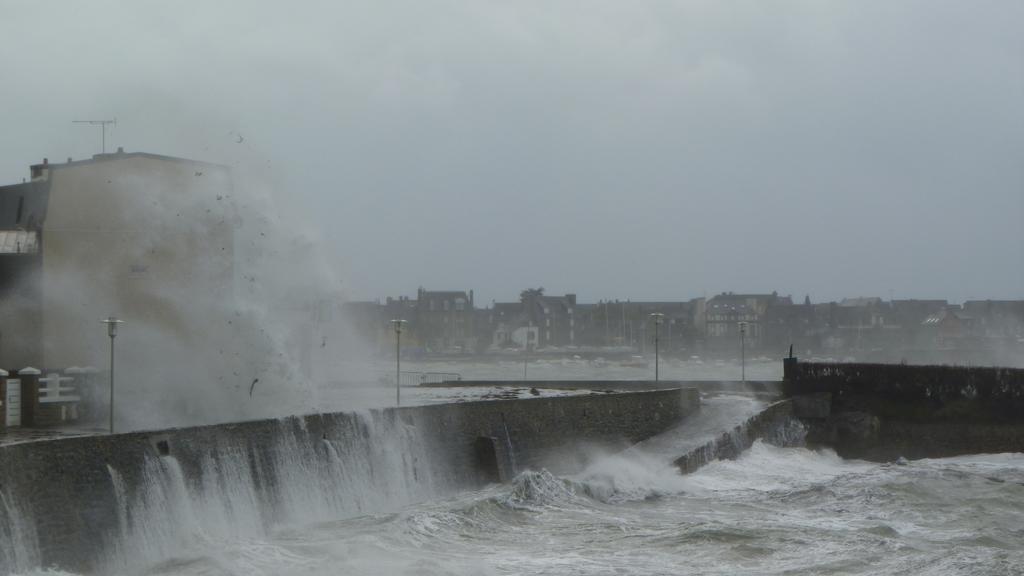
pixel 858 302
pixel 739 307
pixel 761 301
pixel 994 306
pixel 19 242
pixel 737 296
pixel 656 304
pixel 120 154
pixel 444 294
pixel 941 316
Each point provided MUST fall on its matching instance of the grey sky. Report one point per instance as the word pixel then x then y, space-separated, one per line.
pixel 614 149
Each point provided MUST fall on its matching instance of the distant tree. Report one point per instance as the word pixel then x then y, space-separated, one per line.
pixel 531 293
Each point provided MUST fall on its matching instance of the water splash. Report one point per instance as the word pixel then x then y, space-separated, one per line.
pixel 19 547
pixel 775 425
pixel 533 490
pixel 342 465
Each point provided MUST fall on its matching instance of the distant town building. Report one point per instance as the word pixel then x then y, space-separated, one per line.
pixel 629 323
pixel 997 318
pixel 946 329
pixel 445 320
pixel 554 316
pixel 510 328
pixel 726 310
pixel 786 324
pixel 537 321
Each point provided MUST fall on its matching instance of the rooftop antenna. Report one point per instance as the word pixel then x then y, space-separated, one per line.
pixel 103 128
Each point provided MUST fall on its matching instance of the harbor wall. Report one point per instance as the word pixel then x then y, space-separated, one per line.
pixel 886 411
pixel 765 387
pixel 775 425
pixel 108 503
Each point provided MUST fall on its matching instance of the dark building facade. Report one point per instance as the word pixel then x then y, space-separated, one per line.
pixel 725 312
pixel 445 320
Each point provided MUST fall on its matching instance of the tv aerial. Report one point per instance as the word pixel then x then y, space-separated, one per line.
pixel 103 128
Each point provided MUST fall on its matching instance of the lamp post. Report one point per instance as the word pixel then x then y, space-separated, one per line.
pixel 526 359
pixel 658 316
pixel 743 351
pixel 398 360
pixel 112 323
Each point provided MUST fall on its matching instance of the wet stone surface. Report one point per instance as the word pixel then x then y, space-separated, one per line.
pixel 11 436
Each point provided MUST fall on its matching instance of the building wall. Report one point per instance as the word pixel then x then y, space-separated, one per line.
pixel 445 320
pixel 20 311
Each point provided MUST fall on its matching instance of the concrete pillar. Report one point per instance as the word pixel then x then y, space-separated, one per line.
pixel 788 368
pixel 29 377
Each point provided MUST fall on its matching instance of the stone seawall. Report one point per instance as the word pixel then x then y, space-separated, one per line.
pixel 882 412
pixel 775 424
pixel 115 503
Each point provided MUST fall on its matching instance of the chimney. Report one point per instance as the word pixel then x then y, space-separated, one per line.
pixel 120 149
pixel 69 159
pixel 46 161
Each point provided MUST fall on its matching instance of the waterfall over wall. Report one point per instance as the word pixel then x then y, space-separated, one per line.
pixel 18 545
pixel 116 504
pixel 341 466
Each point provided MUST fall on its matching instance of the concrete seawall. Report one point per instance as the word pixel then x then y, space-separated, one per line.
pixel 105 503
pixel 766 387
pixel 882 412
pixel 775 424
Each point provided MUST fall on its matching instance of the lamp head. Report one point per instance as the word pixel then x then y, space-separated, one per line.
pixel 112 323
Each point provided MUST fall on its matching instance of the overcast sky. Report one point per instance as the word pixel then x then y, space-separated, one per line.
pixel 615 149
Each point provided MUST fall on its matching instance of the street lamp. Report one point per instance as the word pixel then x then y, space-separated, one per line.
pixel 398 360
pixel 112 323
pixel 743 350
pixel 658 316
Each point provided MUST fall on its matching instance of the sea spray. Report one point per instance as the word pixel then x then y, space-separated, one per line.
pixel 305 470
pixel 19 547
pixel 774 424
